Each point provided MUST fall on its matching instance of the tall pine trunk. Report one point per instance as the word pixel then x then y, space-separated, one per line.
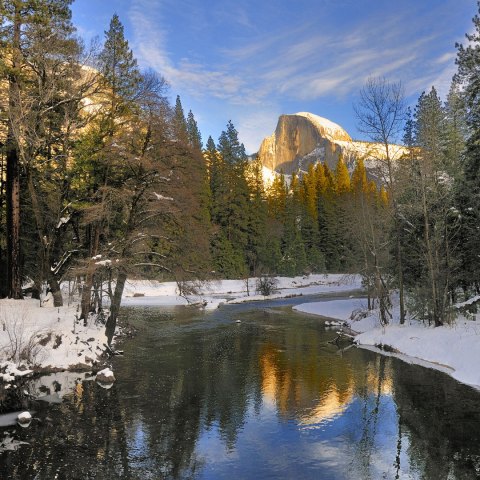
pixel 14 277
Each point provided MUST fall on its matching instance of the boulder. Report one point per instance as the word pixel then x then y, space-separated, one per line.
pixel 24 419
pixel 105 376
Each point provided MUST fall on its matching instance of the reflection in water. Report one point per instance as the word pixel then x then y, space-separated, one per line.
pixel 199 396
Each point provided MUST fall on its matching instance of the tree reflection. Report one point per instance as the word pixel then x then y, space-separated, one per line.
pixel 184 381
pixel 441 419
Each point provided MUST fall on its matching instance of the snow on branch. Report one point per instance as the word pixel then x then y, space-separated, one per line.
pixel 161 197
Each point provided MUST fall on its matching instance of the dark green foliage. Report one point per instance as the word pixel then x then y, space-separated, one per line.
pixel 468 191
pixel 179 123
pixel 194 136
pixel 118 66
pixel 230 148
pixel 228 262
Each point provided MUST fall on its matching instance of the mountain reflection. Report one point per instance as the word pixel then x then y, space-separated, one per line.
pixel 203 397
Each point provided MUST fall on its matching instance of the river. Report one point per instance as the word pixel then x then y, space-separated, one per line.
pixel 250 391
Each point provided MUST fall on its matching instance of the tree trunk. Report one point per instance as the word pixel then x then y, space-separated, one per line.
pixel 115 307
pixel 3 253
pixel 400 279
pixel 87 287
pixel 56 291
pixel 14 277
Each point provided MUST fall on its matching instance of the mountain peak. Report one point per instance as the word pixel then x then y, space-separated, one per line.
pixel 331 130
pixel 304 138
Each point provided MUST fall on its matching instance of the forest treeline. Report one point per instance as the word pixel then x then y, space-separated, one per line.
pixel 102 179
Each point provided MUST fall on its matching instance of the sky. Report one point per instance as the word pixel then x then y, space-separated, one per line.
pixel 250 61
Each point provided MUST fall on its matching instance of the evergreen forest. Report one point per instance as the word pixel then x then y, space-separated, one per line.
pixel 103 178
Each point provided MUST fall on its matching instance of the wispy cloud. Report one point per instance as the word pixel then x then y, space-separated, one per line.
pixel 297 61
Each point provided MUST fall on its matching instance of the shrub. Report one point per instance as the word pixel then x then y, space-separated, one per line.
pixel 266 285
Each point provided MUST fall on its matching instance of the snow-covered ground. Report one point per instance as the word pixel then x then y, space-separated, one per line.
pixel 46 338
pixel 51 339
pixel 454 349
pixel 212 294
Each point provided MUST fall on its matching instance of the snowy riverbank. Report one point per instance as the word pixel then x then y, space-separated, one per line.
pixel 452 349
pixel 215 293
pixel 39 337
pixel 46 338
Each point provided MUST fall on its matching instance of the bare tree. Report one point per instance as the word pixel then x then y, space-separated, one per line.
pixel 381 114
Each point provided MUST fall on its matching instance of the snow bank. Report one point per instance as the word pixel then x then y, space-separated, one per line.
pixel 45 338
pixel 452 349
pixel 214 293
pixel 456 347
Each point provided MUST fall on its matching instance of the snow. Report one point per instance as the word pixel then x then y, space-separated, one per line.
pixel 24 417
pixel 63 221
pixel 8 443
pixel 105 376
pixel 215 293
pixel 371 152
pixel 453 349
pixel 161 197
pixel 104 263
pixel 329 128
pixel 50 337
pixel 11 372
pixel 268 176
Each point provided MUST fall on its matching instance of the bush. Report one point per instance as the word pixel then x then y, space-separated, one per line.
pixel 266 285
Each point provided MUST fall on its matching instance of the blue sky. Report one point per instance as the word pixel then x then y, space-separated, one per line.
pixel 251 60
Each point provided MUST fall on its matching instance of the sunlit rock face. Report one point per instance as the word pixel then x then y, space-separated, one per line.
pixel 303 138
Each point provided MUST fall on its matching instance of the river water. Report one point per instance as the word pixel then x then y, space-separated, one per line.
pixel 200 395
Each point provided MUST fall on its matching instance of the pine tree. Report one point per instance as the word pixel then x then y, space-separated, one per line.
pixel 229 146
pixel 41 68
pixel 121 84
pixel 309 220
pixel 179 123
pixel 119 68
pixel 342 177
pixel 231 206
pixel 359 183
pixel 194 135
pixel 468 191
pixel 277 197
pixel 256 250
pixel 427 202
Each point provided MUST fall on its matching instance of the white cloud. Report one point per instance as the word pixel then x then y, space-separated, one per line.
pixel 254 126
pixel 295 63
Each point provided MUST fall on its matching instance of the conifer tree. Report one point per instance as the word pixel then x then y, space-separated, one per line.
pixel 427 202
pixel 179 123
pixel 342 177
pixel 468 191
pixel 230 194
pixel 121 80
pixel 194 135
pixel 359 183
pixel 41 68
pixel 119 68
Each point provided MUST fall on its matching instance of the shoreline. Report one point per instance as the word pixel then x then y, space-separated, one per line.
pixel 451 349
